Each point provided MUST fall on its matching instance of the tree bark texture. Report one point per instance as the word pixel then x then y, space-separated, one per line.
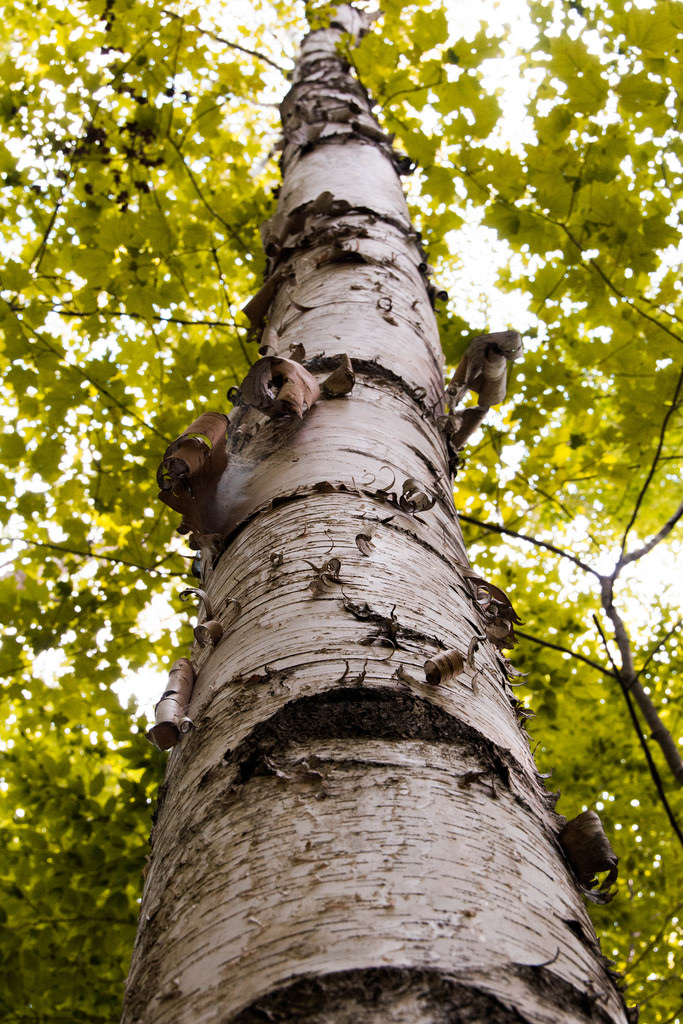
pixel 338 839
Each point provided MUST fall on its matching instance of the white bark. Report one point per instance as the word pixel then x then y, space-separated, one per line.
pixel 338 839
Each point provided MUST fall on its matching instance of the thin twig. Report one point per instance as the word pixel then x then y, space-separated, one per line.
pixel 418 87
pixel 61 355
pixel 37 258
pixel 202 198
pixel 660 643
pixel 495 528
pixel 646 548
pixel 655 990
pixel 653 467
pixel 674 1016
pixel 672 913
pixel 554 500
pixel 82 314
pixel 631 303
pixel 607 280
pixel 173 73
pixel 229 44
pixel 565 650
pixel 221 278
pixel 152 569
pixel 251 53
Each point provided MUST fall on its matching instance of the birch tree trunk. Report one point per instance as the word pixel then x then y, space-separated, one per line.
pixel 339 839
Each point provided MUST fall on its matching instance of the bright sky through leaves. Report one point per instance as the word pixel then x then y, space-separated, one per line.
pixel 129 142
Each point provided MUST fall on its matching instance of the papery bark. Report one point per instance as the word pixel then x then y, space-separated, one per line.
pixel 339 838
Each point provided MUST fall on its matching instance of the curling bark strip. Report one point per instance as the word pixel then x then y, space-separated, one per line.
pixel 338 836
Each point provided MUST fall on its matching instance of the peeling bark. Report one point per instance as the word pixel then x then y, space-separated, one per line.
pixel 355 828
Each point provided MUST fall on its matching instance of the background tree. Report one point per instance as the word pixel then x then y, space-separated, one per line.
pixel 135 174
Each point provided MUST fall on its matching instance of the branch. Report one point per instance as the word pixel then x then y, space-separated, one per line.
pixel 36 1017
pixel 61 355
pixel 610 284
pixel 494 528
pixel 660 643
pixel 643 742
pixel 200 195
pixel 173 69
pixel 245 49
pixel 675 1016
pixel 36 259
pixel 665 530
pixel 226 42
pixel 550 294
pixel 655 990
pixel 628 677
pixel 113 314
pixel 418 87
pixel 655 460
pixel 658 937
pixel 152 569
pixel 554 500
pixel 566 650
pixel 591 262
pixel 37 921
pixel 226 296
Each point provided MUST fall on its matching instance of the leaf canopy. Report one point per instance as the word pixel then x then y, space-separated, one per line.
pixel 136 165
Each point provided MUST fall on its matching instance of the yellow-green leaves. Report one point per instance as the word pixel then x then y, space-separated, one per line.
pixel 581 72
pixel 129 213
pixel 653 31
pixel 429 29
pixel 135 170
pixel 467 53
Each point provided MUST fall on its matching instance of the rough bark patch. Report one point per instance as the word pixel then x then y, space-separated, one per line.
pixel 363 714
pixel 578 1005
pixel 379 996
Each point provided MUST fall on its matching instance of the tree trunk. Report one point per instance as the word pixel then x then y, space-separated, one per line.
pixel 339 838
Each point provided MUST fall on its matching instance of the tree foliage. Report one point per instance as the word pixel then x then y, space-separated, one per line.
pixel 136 164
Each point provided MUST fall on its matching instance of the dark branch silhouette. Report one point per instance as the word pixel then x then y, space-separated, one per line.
pixel 565 650
pixel 656 778
pixel 227 42
pixel 628 675
pixel 152 569
pixel 495 528
pixel 61 355
pixel 653 467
